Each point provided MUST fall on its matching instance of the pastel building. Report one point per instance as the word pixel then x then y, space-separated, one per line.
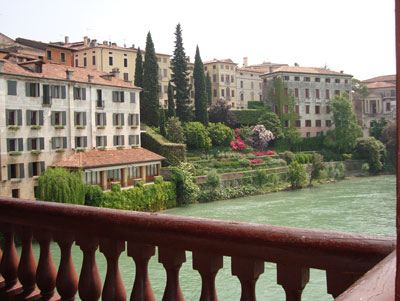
pixel 248 85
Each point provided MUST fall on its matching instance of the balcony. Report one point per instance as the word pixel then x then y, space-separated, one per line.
pixel 344 256
pixel 100 104
pixel 47 100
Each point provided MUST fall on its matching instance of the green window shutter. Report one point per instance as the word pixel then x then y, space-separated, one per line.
pixel 85 141
pixel 8 144
pixel 30 169
pixel 27 89
pixel 84 118
pixel 41 141
pixel 63 92
pixel 19 112
pixel 83 93
pixel 12 87
pixel 105 140
pixel 29 140
pixel 9 171
pixel 114 119
pixel 122 119
pixel 130 139
pixel 53 142
pixel 133 97
pixel 64 118
pixel 64 142
pixel 114 96
pixel 115 140
pixel 41 117
pixel 97 118
pixel 7 114
pixel 53 118
pixel 130 119
pixel 105 118
pixel 20 144
pixel 122 96
pixel 137 119
pixel 75 118
pixel 123 139
pixel 42 167
pixel 28 117
pixel 38 89
pixel 21 170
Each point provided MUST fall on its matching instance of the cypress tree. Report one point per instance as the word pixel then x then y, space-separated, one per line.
pixel 150 103
pixel 180 78
pixel 200 93
pixel 171 103
pixel 209 89
pixel 162 123
pixel 139 77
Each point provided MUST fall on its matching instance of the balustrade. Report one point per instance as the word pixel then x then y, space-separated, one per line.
pixel 344 256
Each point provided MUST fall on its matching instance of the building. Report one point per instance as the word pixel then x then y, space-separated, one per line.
pixel 51 112
pixel 312 89
pixel 223 80
pixel 248 86
pixel 379 103
pixel 8 45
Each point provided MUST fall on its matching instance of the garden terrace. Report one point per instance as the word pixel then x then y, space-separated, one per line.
pixel 344 256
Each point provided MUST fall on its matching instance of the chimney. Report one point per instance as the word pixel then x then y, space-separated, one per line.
pixel 115 72
pixel 70 74
pixel 133 46
pixel 90 78
pixel 341 71
pixel 270 69
pixel 66 39
pixel 85 40
pixel 245 62
pixel 296 64
pixel 1 65
pixel 105 42
pixel 114 44
pixel 93 42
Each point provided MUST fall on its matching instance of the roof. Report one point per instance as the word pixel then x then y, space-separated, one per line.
pixel 312 70
pixel 39 45
pixel 376 85
pixel 226 61
pixel 250 70
pixel 114 157
pixel 55 71
pixel 383 78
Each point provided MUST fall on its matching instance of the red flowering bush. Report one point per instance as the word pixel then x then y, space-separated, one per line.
pixel 238 143
pixel 264 153
pixel 256 161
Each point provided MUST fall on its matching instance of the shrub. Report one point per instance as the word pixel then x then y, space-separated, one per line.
pixel 365 167
pixel 296 174
pixel 261 137
pixel 340 171
pixel 196 135
pixel 220 134
pixel 287 156
pixel 317 167
pixel 139 184
pixel 94 196
pixel 373 151
pixel 260 177
pixel 175 131
pixel 158 180
pixel 213 180
pixel 187 190
pixel 115 187
pixel 249 116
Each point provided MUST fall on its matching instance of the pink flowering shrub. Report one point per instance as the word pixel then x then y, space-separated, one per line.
pixel 256 161
pixel 238 143
pixel 264 153
pixel 261 137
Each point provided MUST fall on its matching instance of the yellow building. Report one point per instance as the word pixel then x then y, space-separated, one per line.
pixel 223 80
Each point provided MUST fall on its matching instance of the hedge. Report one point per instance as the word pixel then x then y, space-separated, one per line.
pixel 173 152
pixel 249 116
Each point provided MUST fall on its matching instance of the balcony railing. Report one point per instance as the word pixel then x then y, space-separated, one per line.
pixel 344 256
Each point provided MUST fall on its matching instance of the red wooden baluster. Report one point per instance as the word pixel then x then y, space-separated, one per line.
pixel 89 279
pixel 247 270
pixel 172 260
pixel 67 278
pixel 113 289
pixel 337 282
pixel 2 282
pixel 27 266
pixel 208 265
pixel 293 280
pixel 46 272
pixel 9 262
pixel 141 254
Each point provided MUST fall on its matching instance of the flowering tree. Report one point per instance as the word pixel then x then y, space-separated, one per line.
pixel 238 143
pixel 261 137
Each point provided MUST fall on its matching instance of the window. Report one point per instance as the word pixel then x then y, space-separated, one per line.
pixel 214 78
pixel 297 109
pixel 307 109
pixel 387 106
pixel 233 93
pixel 32 89
pixel 252 85
pixel 34 117
pixel 328 123
pixel 36 168
pixel 327 80
pixel 222 77
pixel 58 92
pixel 327 96
pixel 214 67
pixel 308 134
pixel 126 76
pixel 16 171
pixel 286 109
pixel 110 60
pixel 133 96
pixel 134 140
pixel 222 92
pixel 92 177
pixel 80 118
pixel 15 193
pixel 165 60
pixel 285 91
pixel 134 172
pixel 165 72
pixel 152 170
pixel 328 110
pixel 76 62
pixel 13 117
pixel 15 144
pixel 307 93
pixel 222 66
pixel 215 92
pixel 241 84
pixel 101 141
pixel 80 93
pixel 58 118
pixel 125 62
pixel 317 79
pixel 12 87
pixel 62 57
pixel 346 81
pixel 317 109
pixel 296 92
pixel 286 78
pixel 118 119
pixel 306 79
pixel 84 62
pixel 241 96
pixel 118 96
pixel 308 123
pixel 119 140
pixel 297 78
pixel 337 92
pixel 93 60
pixel 35 143
pixel 80 141
pixel 133 119
pixel 100 119
pixel 58 142
pixel 232 81
pixel 318 123
pixel 337 81
pixel 297 123
pixel 317 93
pixel 286 123
pixel 48 55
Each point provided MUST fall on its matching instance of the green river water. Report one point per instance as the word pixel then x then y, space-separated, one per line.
pixel 362 205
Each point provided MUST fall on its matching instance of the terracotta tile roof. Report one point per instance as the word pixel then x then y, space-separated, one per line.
pixel 313 70
pixel 375 85
pixel 55 71
pixel 82 47
pixel 384 78
pixel 250 70
pixel 226 61
pixel 97 158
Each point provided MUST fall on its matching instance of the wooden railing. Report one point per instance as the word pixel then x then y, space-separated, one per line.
pixel 344 256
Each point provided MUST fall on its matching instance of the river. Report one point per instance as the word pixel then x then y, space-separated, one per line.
pixel 362 205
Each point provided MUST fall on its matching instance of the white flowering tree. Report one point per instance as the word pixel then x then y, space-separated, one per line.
pixel 261 137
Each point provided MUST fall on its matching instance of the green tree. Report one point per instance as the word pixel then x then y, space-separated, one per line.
pixel 175 130
pixel 94 196
pixel 272 122
pixel 296 174
pixel 150 104
pixel 196 135
pixel 343 138
pixel 377 128
pixel 171 102
pixel 139 76
pixel 200 93
pixel 372 150
pixel 292 139
pixel 162 123
pixel 359 88
pixel 317 167
pixel 187 190
pixel 220 134
pixel 61 186
pixel 180 78
pixel 221 112
pixel 213 179
pixel 209 89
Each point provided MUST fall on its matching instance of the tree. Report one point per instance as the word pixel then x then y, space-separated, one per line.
pixel 220 134
pixel 271 122
pixel 150 104
pixel 139 75
pixel 162 123
pixel 220 112
pixel 61 186
pixel 359 88
pixel 200 93
pixel 372 150
pixel 389 136
pixel 180 78
pixel 317 166
pixel 209 89
pixel 187 190
pixel 296 174
pixel 175 131
pixel 292 139
pixel 171 103
pixel 196 135
pixel 343 138
pixel 377 128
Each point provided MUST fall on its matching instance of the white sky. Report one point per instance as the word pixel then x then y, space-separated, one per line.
pixel 357 36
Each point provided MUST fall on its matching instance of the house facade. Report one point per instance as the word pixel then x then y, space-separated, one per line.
pixel 248 86
pixel 312 89
pixel 51 112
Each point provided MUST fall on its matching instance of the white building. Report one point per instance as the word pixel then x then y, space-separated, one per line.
pixel 248 86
